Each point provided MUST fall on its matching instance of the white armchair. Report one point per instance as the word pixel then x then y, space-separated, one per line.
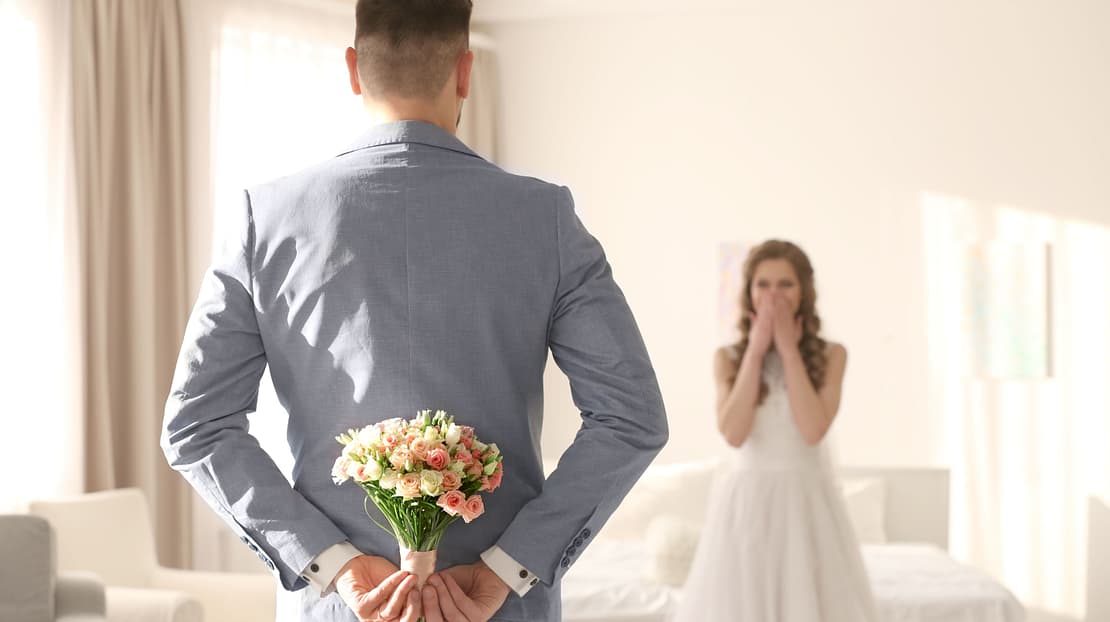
pixel 30 588
pixel 110 533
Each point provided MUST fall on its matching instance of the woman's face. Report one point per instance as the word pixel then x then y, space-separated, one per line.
pixel 776 277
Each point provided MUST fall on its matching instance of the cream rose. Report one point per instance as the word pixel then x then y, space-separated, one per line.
pixel 451 481
pixel 389 479
pixel 339 469
pixel 418 448
pixel 400 458
pixel 431 483
pixel 408 486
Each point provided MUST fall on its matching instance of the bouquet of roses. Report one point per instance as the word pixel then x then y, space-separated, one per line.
pixel 423 475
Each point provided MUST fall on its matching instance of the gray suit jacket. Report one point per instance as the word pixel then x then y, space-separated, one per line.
pixel 409 273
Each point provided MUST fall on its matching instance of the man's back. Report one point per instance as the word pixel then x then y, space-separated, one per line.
pixel 410 274
pixel 407 273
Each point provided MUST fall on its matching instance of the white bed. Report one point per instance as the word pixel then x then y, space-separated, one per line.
pixel 627 575
pixel 911 582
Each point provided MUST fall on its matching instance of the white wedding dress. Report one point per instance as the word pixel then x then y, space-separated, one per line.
pixel 777 545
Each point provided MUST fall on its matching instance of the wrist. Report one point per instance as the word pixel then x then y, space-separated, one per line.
pixel 790 353
pixel 756 351
pixel 501 585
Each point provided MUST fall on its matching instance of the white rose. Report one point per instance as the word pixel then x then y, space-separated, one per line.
pixel 431 435
pixel 454 433
pixel 354 449
pixel 339 470
pixel 431 483
pixel 490 468
pixel 373 471
pixel 370 436
pixel 389 479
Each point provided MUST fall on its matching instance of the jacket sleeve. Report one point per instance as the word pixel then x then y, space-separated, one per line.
pixel 595 341
pixel 205 430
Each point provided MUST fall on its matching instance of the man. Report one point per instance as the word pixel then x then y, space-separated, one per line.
pixel 406 274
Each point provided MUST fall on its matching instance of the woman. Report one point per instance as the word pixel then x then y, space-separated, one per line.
pixel 777 545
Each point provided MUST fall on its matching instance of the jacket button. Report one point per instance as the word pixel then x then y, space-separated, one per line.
pixel 565 562
pixel 314 567
pixel 578 541
pixel 523 574
pixel 571 551
pixel 586 533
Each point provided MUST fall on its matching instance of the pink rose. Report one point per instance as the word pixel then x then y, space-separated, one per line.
pixel 451 480
pixel 437 459
pixel 408 486
pixel 467 442
pixel 452 502
pixel 389 440
pixel 493 482
pixel 464 457
pixel 474 470
pixel 418 447
pixel 473 508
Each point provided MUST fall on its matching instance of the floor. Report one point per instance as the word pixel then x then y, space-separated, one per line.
pixel 1035 615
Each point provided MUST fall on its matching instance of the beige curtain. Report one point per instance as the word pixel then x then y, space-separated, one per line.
pixel 129 149
pixel 478 127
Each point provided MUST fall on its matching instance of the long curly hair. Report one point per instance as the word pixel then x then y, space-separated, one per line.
pixel 811 345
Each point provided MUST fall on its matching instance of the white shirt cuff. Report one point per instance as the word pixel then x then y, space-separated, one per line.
pixel 517 577
pixel 323 569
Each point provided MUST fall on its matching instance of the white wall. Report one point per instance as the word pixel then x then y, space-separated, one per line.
pixel 821 123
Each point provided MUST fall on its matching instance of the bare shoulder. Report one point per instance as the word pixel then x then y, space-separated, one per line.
pixel 725 357
pixel 836 353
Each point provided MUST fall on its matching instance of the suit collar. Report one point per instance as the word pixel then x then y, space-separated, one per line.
pixel 397 132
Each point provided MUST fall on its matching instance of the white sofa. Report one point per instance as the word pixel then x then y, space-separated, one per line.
pixel 110 533
pixel 31 589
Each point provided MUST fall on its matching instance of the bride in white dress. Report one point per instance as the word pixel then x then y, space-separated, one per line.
pixel 777 545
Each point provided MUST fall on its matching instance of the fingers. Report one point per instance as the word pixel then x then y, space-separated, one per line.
pixel 413 608
pixel 430 603
pixel 399 598
pixel 456 594
pixel 449 603
pixel 369 603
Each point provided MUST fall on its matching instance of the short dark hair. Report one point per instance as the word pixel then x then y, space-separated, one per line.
pixel 408 48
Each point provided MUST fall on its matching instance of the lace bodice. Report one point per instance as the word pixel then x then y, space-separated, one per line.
pixel 774 441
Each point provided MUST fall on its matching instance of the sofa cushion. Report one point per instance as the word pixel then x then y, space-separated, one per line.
pixel 26 569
